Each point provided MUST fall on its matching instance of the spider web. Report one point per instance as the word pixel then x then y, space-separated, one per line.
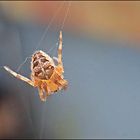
pixel 47 29
pixel 44 107
pixel 54 46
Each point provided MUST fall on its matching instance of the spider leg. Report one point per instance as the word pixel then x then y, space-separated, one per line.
pixel 63 84
pixel 56 59
pixel 60 63
pixel 44 91
pixel 47 89
pixel 41 94
pixel 60 49
pixel 19 76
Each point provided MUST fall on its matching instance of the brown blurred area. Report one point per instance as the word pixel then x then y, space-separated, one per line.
pixel 13 120
pixel 104 18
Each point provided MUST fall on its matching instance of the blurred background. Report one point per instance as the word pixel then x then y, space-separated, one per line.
pixel 101 53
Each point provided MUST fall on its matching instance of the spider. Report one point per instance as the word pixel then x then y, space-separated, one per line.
pixel 46 75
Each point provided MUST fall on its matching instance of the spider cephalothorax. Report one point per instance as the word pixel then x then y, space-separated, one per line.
pixel 45 74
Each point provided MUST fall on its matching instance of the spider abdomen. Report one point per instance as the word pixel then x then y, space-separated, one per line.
pixel 42 68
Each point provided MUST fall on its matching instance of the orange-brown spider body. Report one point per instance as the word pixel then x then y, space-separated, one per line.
pixel 45 74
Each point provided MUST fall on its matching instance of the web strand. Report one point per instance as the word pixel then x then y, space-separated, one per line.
pixel 19 67
pixel 66 15
pixel 44 109
pixel 43 36
pixel 47 28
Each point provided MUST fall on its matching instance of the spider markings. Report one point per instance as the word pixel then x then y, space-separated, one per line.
pixel 45 75
pixel 41 66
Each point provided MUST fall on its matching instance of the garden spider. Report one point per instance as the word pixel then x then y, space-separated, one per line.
pixel 45 75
